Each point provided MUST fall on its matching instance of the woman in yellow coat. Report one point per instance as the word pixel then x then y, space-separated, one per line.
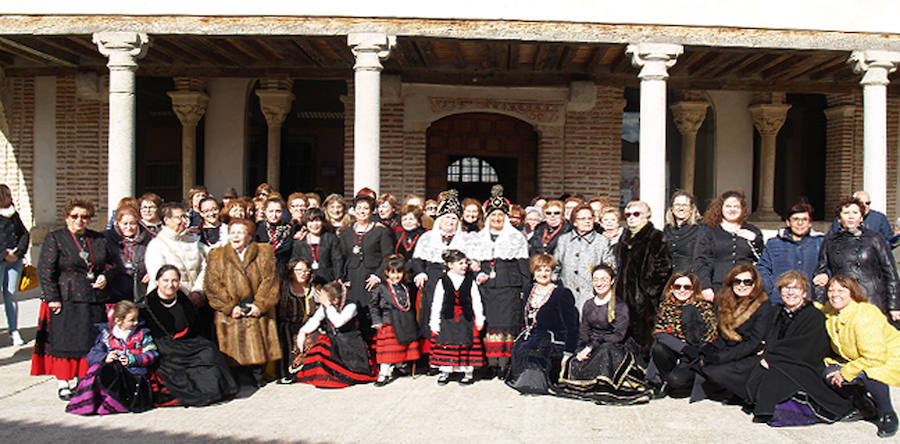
pixel 867 350
pixel 242 286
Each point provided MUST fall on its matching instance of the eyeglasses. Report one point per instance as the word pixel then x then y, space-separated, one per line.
pixel 630 214
pixel 210 210
pixel 302 270
pixel 791 289
pixel 679 287
pixel 149 207
pixel 431 208
pixel 79 216
pixel 553 213
pixel 744 282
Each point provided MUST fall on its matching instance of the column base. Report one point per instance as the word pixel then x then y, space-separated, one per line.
pixel 765 215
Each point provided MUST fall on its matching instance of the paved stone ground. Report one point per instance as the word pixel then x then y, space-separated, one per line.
pixel 408 410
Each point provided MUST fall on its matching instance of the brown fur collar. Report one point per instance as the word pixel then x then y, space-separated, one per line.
pixel 730 320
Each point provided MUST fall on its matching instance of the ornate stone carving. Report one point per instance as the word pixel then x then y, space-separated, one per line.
pixel 874 65
pixel 122 48
pixel 370 48
pixel 689 116
pixel 768 118
pixel 189 106
pixel 535 111
pixel 275 105
pixel 654 59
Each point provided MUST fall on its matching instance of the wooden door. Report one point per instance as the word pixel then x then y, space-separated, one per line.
pixel 507 144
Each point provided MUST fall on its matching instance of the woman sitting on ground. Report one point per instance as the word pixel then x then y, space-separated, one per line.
pixel 607 368
pixel 190 371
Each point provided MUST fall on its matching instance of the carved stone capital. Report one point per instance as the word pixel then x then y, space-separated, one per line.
pixel 654 59
pixel 275 105
pixel 689 116
pixel 189 83
pixel 874 65
pixel 122 48
pixel 189 106
pixel 370 48
pixel 769 117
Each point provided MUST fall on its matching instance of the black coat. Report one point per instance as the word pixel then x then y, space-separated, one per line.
pixel 13 234
pixel 717 251
pixel 680 243
pixel 330 256
pixel 865 257
pixel 558 316
pixel 63 274
pixel 644 267
pixel 126 283
pixel 795 349
pixel 375 245
pixel 536 243
pixel 728 362
pixel 283 249
pixel 501 294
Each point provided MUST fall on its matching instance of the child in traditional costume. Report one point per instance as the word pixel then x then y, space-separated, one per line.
pixel 394 318
pixel 117 381
pixel 456 319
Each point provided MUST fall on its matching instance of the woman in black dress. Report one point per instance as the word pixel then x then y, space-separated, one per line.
pixel 364 244
pixel 191 371
pixel 410 232
pixel 319 245
pixel 294 308
pixel 547 233
pixel 128 243
pixel 275 231
pixel 551 331
pixel 724 241
pixel 681 229
pixel 787 387
pixel 744 316
pixel 74 269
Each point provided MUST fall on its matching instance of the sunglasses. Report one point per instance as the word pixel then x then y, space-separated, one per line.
pixel 744 282
pixel 79 216
pixel 867 203
pixel 553 213
pixel 635 214
pixel 682 287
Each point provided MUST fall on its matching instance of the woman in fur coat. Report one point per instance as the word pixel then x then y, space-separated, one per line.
pixel 242 287
pixel 644 267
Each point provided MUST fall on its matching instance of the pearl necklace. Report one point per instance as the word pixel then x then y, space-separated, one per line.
pixel 169 305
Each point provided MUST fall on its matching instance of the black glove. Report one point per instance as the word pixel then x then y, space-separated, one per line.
pixel 692 352
pixel 710 353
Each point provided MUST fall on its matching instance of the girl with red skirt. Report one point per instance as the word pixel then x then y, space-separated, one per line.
pixel 394 318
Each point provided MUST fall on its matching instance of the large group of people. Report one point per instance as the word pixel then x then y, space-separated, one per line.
pixel 181 304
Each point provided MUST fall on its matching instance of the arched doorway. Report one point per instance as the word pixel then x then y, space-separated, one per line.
pixel 473 151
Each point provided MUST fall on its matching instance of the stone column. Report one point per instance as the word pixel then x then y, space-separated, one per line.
pixel 654 59
pixel 875 65
pixel 189 106
pixel 768 119
pixel 275 99
pixel 689 116
pixel 123 49
pixel 369 49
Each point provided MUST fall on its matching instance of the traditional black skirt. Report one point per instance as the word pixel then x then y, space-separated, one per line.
pixel 110 388
pixel 535 363
pixel 193 372
pixel 613 374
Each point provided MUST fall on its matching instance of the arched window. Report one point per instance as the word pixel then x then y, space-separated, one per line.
pixel 471 170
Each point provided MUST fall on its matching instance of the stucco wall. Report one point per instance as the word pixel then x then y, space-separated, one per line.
pixel 734 141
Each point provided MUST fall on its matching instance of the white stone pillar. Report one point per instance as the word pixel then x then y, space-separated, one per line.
pixel 689 116
pixel 123 49
pixel 275 105
pixel 768 118
pixel 875 65
pixel 654 59
pixel 369 49
pixel 189 106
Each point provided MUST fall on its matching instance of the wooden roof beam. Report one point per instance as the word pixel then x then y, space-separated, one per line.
pixel 773 60
pixel 39 52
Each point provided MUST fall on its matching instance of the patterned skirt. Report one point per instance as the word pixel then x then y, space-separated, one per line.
pixel 110 388
pixel 613 374
pixel 322 369
pixel 458 355
pixel 389 351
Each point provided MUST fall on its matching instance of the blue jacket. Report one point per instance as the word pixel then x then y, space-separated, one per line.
pixel 875 221
pixel 783 253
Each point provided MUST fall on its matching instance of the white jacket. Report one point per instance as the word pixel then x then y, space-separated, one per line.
pixel 184 251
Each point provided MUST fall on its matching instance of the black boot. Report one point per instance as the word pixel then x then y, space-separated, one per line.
pixel 887 425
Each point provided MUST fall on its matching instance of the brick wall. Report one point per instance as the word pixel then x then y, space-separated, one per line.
pixel 593 146
pixel 349 116
pixel 550 162
pixel 893 121
pixel 17 144
pixel 393 167
pixel 841 139
pixel 82 127
pixel 414 163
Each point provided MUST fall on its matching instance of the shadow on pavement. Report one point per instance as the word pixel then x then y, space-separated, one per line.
pixel 23 354
pixel 34 432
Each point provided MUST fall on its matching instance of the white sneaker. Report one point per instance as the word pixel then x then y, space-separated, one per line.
pixel 16 339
